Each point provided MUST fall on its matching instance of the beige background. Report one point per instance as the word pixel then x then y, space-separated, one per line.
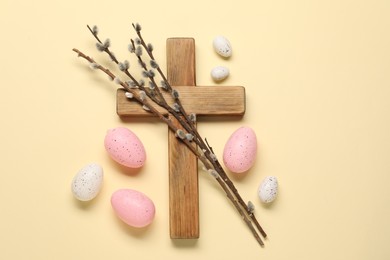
pixel 318 90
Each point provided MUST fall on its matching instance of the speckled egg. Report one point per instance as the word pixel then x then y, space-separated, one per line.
pixel 87 183
pixel 125 147
pixel 133 207
pixel 268 189
pixel 240 150
pixel 219 73
pixel 222 46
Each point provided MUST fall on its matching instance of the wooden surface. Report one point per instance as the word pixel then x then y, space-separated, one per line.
pixel 183 164
pixel 210 100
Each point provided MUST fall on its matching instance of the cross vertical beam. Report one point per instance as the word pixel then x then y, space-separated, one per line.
pixel 183 177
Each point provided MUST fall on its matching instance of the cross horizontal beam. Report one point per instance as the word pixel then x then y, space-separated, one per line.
pixel 210 101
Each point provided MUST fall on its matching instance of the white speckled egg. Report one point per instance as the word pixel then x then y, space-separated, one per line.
pixel 219 73
pixel 222 46
pixel 268 189
pixel 240 150
pixel 125 147
pixel 133 207
pixel 87 183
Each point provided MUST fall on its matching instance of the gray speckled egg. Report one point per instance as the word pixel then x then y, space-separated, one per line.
pixel 87 183
pixel 219 73
pixel 222 46
pixel 268 189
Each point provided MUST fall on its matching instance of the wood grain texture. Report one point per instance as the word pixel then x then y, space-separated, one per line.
pixel 207 101
pixel 183 164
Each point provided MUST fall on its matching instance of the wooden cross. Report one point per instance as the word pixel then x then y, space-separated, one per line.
pixel 183 165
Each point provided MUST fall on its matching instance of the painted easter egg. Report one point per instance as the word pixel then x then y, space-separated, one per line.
pixel 125 147
pixel 240 150
pixel 133 207
pixel 219 73
pixel 222 46
pixel 268 189
pixel 87 183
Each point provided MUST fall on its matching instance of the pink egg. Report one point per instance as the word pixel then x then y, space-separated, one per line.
pixel 240 150
pixel 133 207
pixel 125 147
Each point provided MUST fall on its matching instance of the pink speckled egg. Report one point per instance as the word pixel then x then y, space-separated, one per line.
pixel 125 147
pixel 133 207
pixel 240 150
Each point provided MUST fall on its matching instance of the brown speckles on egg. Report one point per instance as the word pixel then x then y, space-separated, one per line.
pixel 268 189
pixel 87 183
pixel 240 150
pixel 222 46
pixel 125 147
pixel 133 207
